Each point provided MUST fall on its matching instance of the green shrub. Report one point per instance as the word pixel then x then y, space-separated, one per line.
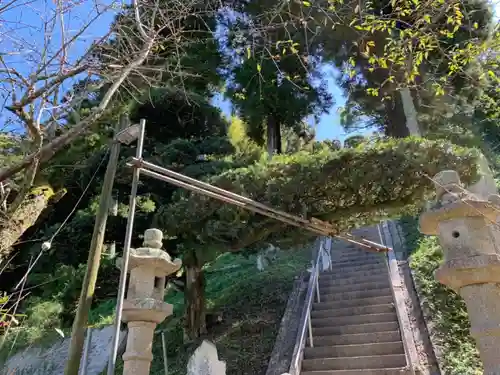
pixel 38 327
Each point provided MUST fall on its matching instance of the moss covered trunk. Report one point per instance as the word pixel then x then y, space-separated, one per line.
pixel 194 297
pixel 14 224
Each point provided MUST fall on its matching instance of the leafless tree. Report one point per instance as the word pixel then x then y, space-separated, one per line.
pixel 47 51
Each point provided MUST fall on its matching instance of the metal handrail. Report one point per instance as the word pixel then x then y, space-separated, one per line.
pixel 305 320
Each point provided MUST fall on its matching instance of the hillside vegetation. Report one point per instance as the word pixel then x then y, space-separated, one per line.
pixel 446 309
pixel 251 303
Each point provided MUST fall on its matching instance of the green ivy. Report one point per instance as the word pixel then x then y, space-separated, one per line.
pixel 446 309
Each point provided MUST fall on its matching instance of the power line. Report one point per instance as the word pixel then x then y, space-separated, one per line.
pixel 48 244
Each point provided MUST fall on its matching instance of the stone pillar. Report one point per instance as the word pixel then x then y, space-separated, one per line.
pixel 467 230
pixel 144 308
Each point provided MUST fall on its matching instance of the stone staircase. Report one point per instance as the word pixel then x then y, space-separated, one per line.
pixel 355 326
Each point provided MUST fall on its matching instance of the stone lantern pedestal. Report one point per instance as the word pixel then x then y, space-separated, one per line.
pixel 144 309
pixel 466 226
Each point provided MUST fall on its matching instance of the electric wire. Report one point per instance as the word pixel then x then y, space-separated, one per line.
pixel 47 244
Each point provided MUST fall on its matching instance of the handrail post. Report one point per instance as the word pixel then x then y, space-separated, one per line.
pixel 311 344
pixel 317 287
pixel 329 240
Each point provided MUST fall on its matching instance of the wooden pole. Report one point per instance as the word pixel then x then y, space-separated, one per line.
pixel 94 260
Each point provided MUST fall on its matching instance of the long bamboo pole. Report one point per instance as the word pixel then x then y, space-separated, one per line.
pixel 314 225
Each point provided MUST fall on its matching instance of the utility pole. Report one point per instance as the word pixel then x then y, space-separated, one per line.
pixel 410 112
pixel 94 259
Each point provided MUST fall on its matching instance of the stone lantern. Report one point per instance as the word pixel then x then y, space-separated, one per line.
pixel 144 308
pixel 466 225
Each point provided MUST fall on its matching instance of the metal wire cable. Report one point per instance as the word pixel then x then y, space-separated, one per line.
pixel 49 242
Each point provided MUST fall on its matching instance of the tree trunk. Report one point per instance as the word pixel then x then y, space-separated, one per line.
pixel 194 297
pixel 273 136
pixel 277 137
pixel 395 119
pixel 13 225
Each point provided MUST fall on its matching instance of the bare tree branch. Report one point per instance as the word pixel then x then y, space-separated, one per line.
pixel 124 59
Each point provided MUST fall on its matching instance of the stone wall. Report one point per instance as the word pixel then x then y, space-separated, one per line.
pixel 429 353
pixel 281 357
pixel 51 361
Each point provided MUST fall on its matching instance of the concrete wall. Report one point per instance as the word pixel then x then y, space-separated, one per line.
pixel 282 354
pixel 51 361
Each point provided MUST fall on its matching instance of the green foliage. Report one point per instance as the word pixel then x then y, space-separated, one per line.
pixel 184 65
pixel 63 283
pixel 336 186
pixel 260 95
pixel 38 327
pixel 273 79
pixel 170 116
pixel 11 148
pixel 446 309
pixel 354 141
pixel 7 317
pixel 378 56
pixel 103 313
pixel 246 149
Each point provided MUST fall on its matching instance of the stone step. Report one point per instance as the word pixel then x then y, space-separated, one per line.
pixel 354 302
pixel 350 311
pixel 358 259
pixel 351 363
pixel 359 350
pixel 381 292
pixel 354 273
pixel 355 328
pixel 349 268
pixel 357 338
pixel 352 251
pixel 355 263
pixel 328 289
pixel 354 319
pixel 329 281
pixel 385 371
